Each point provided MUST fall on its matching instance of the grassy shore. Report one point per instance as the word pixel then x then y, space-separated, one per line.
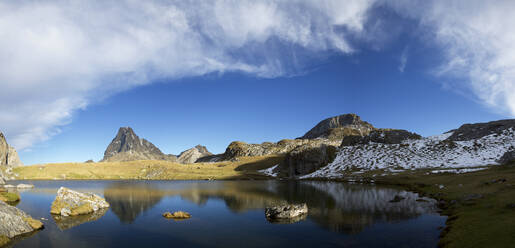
pixel 480 205
pixel 243 168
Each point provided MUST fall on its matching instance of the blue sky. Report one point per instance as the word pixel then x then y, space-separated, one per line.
pixel 182 75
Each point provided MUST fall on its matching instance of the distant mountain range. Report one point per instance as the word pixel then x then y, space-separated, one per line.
pixel 344 143
pixel 127 146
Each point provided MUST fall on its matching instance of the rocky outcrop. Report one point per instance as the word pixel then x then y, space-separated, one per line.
pixel 335 128
pixel 8 155
pixel 193 154
pixel 72 203
pixel 14 222
pixel 286 211
pixel 479 130
pixel 306 159
pixel 383 136
pixel 242 149
pixel 127 146
pixel 508 157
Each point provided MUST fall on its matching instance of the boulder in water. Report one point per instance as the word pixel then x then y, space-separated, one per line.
pixel 72 203
pixel 14 222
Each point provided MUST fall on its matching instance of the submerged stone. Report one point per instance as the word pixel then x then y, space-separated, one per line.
pixel 72 203
pixel 177 215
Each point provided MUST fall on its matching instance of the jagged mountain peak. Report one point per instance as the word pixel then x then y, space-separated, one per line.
pixel 129 146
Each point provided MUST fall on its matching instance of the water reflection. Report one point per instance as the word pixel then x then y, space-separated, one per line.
pixel 67 222
pixel 231 214
pixel 128 200
pixel 335 206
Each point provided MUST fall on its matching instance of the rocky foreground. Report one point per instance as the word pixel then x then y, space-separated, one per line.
pixel 14 222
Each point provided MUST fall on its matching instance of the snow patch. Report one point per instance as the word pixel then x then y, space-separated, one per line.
pixel 270 171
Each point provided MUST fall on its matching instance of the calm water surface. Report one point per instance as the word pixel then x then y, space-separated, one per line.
pixel 231 214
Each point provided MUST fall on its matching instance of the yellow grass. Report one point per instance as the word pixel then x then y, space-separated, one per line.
pixel 245 167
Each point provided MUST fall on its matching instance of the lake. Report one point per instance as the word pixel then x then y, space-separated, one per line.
pixel 231 214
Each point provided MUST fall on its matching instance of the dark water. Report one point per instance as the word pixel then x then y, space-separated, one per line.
pixel 231 214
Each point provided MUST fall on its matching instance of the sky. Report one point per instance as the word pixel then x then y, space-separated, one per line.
pixel 183 73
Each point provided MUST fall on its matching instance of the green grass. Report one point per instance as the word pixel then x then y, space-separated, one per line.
pixel 9 197
pixel 488 221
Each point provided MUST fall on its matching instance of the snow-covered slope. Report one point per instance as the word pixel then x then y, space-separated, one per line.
pixel 430 152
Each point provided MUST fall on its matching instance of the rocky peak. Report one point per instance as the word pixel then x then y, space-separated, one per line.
pixel 128 146
pixel 193 154
pixel 338 127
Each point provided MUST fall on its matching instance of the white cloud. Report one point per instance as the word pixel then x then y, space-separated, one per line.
pixel 58 56
pixel 478 41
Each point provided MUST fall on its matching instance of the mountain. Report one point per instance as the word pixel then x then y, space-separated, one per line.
pixel 127 146
pixel 193 154
pixel 337 127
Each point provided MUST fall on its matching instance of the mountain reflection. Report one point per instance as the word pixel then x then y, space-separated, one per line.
pixel 334 206
pixel 128 200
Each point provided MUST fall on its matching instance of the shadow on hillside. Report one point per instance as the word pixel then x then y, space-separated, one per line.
pixel 264 163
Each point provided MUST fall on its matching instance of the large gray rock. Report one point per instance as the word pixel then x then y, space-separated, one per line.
pixel 384 136
pixel 193 154
pixel 306 159
pixel 478 130
pixel 72 203
pixel 14 222
pixel 127 146
pixel 338 127
pixel 286 211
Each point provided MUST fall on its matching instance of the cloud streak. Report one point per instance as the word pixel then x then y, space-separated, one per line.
pixel 56 57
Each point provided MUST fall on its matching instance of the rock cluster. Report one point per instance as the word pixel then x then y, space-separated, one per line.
pixel 14 222
pixel 72 203
pixel 286 211
pixel 384 136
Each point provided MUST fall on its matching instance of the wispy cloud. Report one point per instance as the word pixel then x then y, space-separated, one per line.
pixel 56 57
pixel 403 59
pixel 478 42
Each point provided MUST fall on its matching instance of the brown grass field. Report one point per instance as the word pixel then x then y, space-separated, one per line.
pixel 244 168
